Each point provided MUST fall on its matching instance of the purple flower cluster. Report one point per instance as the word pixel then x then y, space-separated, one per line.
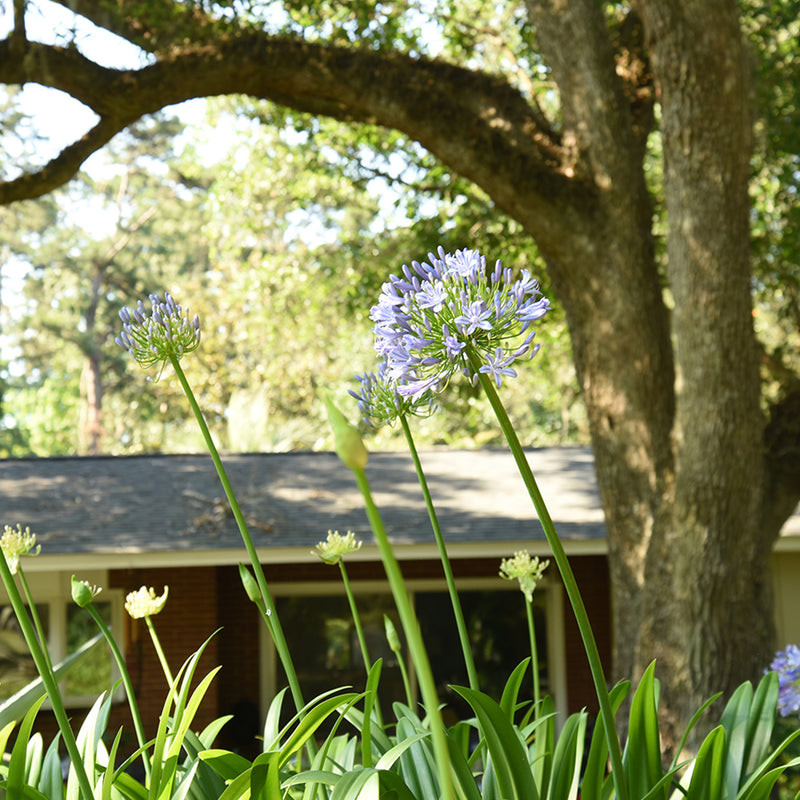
pixel 163 333
pixel 380 403
pixel 787 664
pixel 453 314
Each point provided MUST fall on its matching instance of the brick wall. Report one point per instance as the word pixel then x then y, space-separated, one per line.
pixel 188 618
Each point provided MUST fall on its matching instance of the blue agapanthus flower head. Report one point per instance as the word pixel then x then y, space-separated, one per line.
pixel 787 664
pixel 165 331
pixel 454 314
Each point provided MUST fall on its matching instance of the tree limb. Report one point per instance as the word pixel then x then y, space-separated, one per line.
pixel 492 134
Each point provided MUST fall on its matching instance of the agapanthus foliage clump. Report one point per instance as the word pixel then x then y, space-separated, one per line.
pixel 455 314
pixel 163 333
pixel 787 664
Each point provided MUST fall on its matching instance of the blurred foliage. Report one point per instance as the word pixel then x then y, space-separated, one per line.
pixel 279 228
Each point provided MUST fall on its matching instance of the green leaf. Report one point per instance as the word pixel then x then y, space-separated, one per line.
pixel 544 742
pixel 508 702
pixel 370 694
pixel 17 766
pixel 272 727
pixel 762 721
pixel 464 782
pixel 595 778
pixel 642 760
pixel 15 707
pixel 51 783
pixel 226 764
pixel 708 773
pixel 508 755
pixel 567 758
pixel 417 764
pixel 735 721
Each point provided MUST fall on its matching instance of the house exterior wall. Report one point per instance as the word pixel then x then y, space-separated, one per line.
pixel 188 618
pixel 206 599
pixel 786 589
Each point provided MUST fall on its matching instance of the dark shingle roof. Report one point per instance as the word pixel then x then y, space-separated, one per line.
pixel 175 503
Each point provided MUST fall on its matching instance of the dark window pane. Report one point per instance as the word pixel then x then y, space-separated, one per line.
pixel 324 646
pixel 498 633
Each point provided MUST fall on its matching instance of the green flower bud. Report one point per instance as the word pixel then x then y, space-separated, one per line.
pixel 349 446
pixel 83 593
pixel 250 584
pixel 391 635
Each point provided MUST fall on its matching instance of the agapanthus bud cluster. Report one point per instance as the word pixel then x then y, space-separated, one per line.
pixel 787 664
pixel 526 569
pixel 17 542
pixel 380 403
pixel 336 547
pixel 145 603
pixel 165 332
pixel 454 314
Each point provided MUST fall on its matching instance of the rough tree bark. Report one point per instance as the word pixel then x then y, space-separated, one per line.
pixel 693 490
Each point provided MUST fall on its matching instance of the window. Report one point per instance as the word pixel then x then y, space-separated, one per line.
pixel 66 627
pixel 324 647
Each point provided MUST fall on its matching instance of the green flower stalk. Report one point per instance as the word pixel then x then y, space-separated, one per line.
pixel 164 335
pixel 354 455
pixel 144 604
pixel 83 595
pixel 528 572
pixel 456 314
pixel 332 552
pixel 9 550
pixel 395 646
pixel 381 404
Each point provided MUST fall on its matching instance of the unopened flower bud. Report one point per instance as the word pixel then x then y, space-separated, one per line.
pixel 391 635
pixel 249 583
pixel 349 446
pixel 83 593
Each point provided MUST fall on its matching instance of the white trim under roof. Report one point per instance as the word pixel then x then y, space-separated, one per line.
pixel 125 559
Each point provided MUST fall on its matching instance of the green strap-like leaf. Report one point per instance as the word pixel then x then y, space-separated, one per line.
pixel 509 755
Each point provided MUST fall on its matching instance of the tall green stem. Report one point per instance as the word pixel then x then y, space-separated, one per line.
pixel 42 662
pixel 416 646
pixel 126 680
pixel 534 656
pixel 275 628
pixel 162 659
pixel 362 642
pixel 37 623
pixel 463 636
pixel 568 578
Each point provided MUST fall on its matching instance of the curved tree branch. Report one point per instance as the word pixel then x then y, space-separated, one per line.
pixel 492 134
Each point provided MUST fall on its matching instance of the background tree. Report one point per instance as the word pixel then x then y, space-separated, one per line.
pixel 548 108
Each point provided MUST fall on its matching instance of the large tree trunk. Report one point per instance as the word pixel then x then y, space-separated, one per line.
pixel 618 321
pixel 710 553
